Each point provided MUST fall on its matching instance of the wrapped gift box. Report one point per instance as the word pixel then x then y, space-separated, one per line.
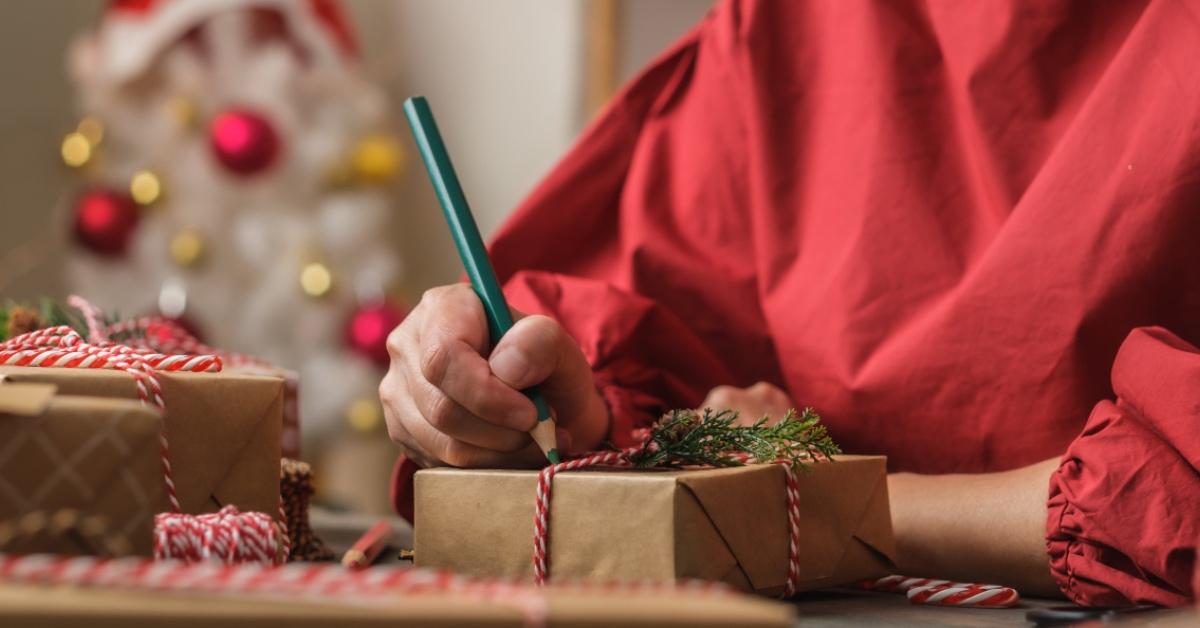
pixel 727 524
pixel 99 457
pixel 223 430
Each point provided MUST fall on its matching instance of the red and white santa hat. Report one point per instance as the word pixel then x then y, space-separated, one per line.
pixel 132 33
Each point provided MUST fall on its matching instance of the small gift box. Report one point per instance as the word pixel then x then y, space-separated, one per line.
pixel 223 430
pixel 725 524
pixel 219 441
pixel 94 457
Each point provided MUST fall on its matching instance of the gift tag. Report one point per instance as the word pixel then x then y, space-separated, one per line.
pixel 25 399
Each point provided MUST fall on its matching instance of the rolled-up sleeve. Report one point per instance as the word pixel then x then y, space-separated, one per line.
pixel 1124 505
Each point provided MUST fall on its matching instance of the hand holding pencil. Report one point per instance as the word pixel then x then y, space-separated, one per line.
pixel 464 363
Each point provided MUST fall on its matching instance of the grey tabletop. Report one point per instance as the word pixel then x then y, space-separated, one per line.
pixel 847 607
pixel 837 608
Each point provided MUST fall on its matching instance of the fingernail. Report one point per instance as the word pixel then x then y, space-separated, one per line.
pixel 564 440
pixel 511 366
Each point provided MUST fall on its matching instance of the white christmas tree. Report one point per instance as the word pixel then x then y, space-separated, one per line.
pixel 234 171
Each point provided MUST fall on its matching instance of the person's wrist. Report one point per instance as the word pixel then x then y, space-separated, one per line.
pixel 902 488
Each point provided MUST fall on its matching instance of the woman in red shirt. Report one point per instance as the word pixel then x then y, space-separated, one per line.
pixel 964 232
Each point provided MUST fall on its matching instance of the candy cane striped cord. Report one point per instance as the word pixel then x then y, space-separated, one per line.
pixel 793 512
pixel 227 536
pixel 92 317
pixel 296 579
pixel 541 510
pixel 541 515
pixel 958 594
pixel 326 582
pixel 945 592
pixel 155 334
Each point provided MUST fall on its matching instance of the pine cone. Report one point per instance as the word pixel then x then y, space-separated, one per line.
pixel 22 320
pixel 296 488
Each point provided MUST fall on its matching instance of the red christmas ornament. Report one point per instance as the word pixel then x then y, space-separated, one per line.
pixel 105 220
pixel 368 329
pixel 243 141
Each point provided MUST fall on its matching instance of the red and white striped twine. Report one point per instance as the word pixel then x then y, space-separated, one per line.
pixel 945 592
pixel 312 581
pixel 541 515
pixel 163 337
pixel 298 579
pixel 63 347
pixel 226 536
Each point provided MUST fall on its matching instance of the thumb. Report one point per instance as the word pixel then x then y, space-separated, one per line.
pixel 537 351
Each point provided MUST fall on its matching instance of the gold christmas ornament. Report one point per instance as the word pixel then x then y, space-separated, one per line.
pixel 144 187
pixel 187 248
pixel 91 129
pixel 377 159
pixel 76 149
pixel 364 415
pixel 315 280
pixel 183 112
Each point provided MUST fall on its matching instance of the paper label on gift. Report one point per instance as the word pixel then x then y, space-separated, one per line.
pixel 25 399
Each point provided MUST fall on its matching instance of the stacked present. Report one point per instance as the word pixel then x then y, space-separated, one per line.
pixel 136 428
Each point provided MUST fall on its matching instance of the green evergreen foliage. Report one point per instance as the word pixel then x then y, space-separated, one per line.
pixel 714 438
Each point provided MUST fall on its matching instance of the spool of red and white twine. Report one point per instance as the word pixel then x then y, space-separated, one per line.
pixel 541 517
pixel 945 592
pixel 227 536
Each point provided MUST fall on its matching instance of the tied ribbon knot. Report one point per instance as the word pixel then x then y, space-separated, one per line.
pixel 156 344
pixel 541 517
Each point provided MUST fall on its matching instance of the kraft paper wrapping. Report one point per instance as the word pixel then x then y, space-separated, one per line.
pixel 290 436
pixel 100 457
pixel 38 606
pixel 727 524
pixel 223 430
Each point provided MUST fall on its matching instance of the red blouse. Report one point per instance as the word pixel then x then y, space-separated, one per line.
pixel 934 222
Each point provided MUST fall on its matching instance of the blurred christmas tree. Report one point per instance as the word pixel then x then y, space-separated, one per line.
pixel 234 174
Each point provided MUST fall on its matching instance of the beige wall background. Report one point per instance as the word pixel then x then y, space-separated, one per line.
pixel 507 79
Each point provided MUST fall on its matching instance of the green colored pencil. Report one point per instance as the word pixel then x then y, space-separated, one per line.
pixel 470 248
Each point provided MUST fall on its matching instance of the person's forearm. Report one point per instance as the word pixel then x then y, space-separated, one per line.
pixel 987 527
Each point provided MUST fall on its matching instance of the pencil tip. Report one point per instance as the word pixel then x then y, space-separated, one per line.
pixel 552 456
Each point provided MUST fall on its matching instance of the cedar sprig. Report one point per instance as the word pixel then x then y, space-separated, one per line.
pixel 712 438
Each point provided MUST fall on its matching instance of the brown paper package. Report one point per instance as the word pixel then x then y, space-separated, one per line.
pixel 34 606
pixel 96 456
pixel 727 524
pixel 222 429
